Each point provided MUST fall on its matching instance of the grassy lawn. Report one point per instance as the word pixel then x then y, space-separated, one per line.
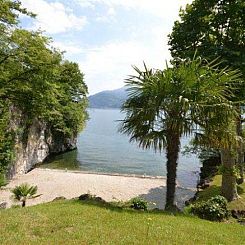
pixel 214 190
pixel 73 222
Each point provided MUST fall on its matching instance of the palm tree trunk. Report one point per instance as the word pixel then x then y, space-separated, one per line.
pixel 23 203
pixel 229 187
pixel 240 149
pixel 240 163
pixel 172 152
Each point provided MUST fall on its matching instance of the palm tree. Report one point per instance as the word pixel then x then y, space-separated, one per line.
pixel 223 137
pixel 24 192
pixel 162 106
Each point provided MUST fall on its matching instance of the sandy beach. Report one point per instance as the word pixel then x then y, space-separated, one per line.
pixel 56 183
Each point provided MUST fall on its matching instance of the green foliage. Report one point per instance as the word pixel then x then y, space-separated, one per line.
pixel 37 82
pixel 2 179
pixel 215 189
pixel 193 92
pixel 10 10
pixel 69 114
pixel 214 28
pixel 6 141
pixel 214 209
pixel 23 192
pixel 138 203
pixel 207 153
pixel 231 171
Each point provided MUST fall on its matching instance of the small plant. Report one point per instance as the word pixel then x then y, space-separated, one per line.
pixel 24 192
pixel 214 209
pixel 138 203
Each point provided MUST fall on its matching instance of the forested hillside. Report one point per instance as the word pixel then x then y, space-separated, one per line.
pixel 108 99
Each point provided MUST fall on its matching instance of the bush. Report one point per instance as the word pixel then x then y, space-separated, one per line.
pixel 138 203
pixel 214 209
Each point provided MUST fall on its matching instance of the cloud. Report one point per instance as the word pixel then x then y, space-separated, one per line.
pixel 108 16
pixel 156 7
pixel 54 17
pixel 85 3
pixel 69 47
pixel 107 67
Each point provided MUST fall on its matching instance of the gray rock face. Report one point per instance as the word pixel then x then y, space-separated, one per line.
pixel 31 152
pixel 36 145
pixel 57 143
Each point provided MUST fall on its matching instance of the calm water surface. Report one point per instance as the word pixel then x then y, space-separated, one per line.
pixel 100 148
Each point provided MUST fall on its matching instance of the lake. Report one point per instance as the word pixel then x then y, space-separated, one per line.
pixel 100 148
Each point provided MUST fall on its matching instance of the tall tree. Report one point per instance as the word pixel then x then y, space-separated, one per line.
pixel 164 105
pixel 221 135
pixel 215 28
pixel 36 81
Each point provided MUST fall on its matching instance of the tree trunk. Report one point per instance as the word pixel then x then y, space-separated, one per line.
pixel 229 186
pixel 240 163
pixel 23 203
pixel 172 152
pixel 240 149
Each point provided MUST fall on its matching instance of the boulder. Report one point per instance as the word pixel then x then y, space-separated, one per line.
pixel 84 197
pixel 99 199
pixel 3 205
pixel 238 214
pixel 59 198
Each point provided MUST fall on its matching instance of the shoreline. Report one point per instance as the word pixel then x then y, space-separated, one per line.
pixel 103 173
pixel 53 183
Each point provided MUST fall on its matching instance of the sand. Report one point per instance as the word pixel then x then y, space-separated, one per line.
pixel 56 183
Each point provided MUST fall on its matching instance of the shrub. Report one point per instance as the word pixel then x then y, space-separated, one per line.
pixel 214 209
pixel 23 192
pixel 138 203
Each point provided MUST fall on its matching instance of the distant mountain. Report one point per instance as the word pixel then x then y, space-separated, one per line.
pixel 108 98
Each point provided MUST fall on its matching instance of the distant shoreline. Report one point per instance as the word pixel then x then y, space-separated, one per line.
pixel 104 108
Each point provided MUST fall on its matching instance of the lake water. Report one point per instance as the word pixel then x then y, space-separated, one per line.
pixel 100 148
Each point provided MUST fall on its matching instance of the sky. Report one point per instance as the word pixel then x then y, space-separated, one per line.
pixel 107 37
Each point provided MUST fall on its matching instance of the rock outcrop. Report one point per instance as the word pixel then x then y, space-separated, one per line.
pixel 33 144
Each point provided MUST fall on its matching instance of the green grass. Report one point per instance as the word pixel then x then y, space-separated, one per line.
pixel 214 190
pixel 74 222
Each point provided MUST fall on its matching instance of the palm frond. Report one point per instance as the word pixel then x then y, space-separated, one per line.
pixel 24 191
pixel 178 98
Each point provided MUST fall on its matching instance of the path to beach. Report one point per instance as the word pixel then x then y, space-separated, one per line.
pixel 56 183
